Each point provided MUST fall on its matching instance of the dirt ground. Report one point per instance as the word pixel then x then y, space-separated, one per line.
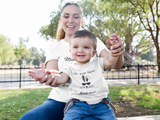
pixel 128 109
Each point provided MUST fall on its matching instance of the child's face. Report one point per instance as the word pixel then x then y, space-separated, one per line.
pixel 82 49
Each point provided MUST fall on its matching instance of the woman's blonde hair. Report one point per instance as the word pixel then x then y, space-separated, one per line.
pixel 60 32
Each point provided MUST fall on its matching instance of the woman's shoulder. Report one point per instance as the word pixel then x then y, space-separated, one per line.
pixel 57 44
pixel 99 41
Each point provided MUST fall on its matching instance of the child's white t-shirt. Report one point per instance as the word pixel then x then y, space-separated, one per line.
pixel 87 82
pixel 60 51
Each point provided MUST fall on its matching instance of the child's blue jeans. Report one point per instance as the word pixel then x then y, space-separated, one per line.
pixel 80 110
pixel 49 110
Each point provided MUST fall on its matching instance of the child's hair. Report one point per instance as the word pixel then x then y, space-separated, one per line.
pixel 60 32
pixel 85 33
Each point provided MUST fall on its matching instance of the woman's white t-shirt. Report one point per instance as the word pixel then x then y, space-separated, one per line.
pixel 60 51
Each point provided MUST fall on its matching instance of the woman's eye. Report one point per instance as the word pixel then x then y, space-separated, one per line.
pixel 66 16
pixel 76 17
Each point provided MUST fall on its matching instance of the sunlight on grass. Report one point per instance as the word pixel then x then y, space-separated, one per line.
pixel 10 93
pixel 147 96
pixel 14 103
pixel 124 92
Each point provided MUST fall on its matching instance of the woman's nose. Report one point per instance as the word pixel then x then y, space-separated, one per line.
pixel 70 19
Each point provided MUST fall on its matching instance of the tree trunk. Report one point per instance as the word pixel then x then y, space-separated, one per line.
pixel 158 61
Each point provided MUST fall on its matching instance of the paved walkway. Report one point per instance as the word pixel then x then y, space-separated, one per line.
pixel 154 117
pixel 14 85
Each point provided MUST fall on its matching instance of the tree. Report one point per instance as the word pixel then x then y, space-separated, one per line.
pixel 104 17
pixel 42 55
pixel 49 31
pixel 21 51
pixel 35 56
pixel 123 20
pixel 149 56
pixel 148 13
pixel 6 50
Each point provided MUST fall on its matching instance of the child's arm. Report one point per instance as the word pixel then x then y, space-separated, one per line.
pixel 37 74
pixel 109 61
pixel 61 78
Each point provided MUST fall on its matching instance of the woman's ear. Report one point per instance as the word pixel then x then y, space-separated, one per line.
pixel 82 21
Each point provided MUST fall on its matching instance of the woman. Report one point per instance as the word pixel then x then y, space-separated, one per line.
pixel 58 56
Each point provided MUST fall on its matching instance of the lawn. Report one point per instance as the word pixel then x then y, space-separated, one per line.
pixel 130 100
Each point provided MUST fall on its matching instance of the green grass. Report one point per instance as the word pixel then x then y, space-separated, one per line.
pixel 144 99
pixel 142 95
pixel 14 103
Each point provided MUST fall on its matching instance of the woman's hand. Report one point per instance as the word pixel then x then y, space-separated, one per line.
pixel 118 48
pixel 49 79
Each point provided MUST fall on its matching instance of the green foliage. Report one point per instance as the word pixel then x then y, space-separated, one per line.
pixel 94 19
pixel 21 51
pixel 149 56
pixel 132 20
pixel 6 50
pixel 43 57
pixel 49 31
pixel 36 57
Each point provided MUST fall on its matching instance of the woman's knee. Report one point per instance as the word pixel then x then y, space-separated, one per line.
pixel 48 110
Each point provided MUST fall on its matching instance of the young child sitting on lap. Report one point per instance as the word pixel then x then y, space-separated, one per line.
pixel 88 88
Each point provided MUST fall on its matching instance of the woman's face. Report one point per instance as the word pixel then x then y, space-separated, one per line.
pixel 71 19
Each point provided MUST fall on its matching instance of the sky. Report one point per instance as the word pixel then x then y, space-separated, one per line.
pixel 24 18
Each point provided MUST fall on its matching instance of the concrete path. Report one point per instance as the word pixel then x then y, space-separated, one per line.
pixel 15 85
pixel 154 117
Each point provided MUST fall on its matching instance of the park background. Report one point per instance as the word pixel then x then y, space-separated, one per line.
pixel 27 27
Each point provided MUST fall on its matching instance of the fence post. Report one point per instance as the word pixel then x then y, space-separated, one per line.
pixel 20 77
pixel 138 75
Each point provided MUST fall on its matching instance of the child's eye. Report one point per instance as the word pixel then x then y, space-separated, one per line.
pixel 75 47
pixel 86 47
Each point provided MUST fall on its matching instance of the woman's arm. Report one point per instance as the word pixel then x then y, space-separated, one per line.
pixel 117 50
pixel 52 64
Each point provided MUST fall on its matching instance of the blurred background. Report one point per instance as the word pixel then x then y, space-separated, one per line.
pixel 27 27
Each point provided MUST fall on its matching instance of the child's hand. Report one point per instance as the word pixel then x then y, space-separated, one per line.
pixel 37 74
pixel 113 39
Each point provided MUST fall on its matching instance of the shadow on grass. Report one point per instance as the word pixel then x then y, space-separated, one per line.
pixel 135 100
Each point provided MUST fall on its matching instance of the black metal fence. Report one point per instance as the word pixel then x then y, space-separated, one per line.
pixel 19 74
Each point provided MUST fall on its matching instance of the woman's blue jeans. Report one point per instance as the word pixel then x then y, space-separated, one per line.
pixel 49 110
